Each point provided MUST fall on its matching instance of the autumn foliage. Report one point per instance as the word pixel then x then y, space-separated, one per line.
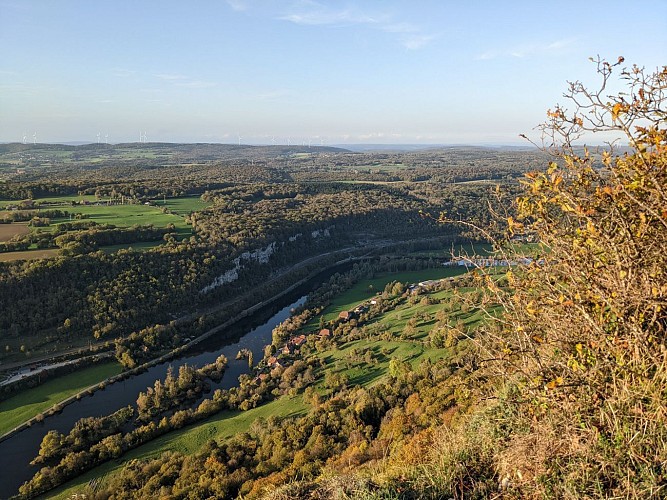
pixel 582 344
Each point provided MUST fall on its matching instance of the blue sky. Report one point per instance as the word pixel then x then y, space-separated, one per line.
pixel 332 72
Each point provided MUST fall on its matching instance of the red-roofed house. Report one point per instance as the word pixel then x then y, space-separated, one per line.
pixel 345 315
pixel 300 340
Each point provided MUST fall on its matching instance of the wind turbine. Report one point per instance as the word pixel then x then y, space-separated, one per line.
pixel 98 138
pixel 273 140
pixel 288 141
pixel 25 138
pixel 34 138
pixel 106 138
pixel 145 137
pixel 239 136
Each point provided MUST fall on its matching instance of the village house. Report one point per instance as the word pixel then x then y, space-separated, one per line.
pixel 324 333
pixel 345 316
pixel 299 341
pixel 360 309
pixel 273 362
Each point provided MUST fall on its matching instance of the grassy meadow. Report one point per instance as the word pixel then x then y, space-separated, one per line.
pixel 31 402
pixel 367 288
pixel 99 211
pixel 189 439
pixel 123 216
pixel 182 205
pixel 345 359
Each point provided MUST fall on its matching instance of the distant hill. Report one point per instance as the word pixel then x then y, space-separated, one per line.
pixel 223 149
pixel 385 148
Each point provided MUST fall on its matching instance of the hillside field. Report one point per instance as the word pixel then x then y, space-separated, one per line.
pixel 344 359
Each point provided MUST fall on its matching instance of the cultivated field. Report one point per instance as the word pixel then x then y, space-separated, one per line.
pixel 28 255
pixel 7 231
pixel 103 211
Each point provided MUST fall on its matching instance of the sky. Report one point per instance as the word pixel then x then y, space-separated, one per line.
pixel 324 72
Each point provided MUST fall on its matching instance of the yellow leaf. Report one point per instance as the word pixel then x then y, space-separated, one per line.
pixel 615 110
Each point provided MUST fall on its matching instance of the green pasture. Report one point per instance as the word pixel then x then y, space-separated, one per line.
pixel 412 349
pixel 190 439
pixel 31 402
pixel 346 358
pixel 367 288
pixel 396 320
pixel 127 215
pixel 102 212
pixel 362 374
pixel 183 205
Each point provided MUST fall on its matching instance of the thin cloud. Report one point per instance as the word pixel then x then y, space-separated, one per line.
pixel 415 42
pixel 238 5
pixel 310 13
pixel 171 77
pixel 529 50
pixel 324 16
pixel 561 44
pixel 179 80
pixel 486 56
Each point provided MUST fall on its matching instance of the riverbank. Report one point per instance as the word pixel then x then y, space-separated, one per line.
pixel 47 411
pixel 360 360
pixel 25 406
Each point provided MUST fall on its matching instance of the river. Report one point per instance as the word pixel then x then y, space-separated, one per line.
pixel 251 333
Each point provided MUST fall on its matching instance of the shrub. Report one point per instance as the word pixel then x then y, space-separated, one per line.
pixel 582 340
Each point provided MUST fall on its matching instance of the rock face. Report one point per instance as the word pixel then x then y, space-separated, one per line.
pixel 261 255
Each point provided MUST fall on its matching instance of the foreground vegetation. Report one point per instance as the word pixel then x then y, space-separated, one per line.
pixel 569 385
